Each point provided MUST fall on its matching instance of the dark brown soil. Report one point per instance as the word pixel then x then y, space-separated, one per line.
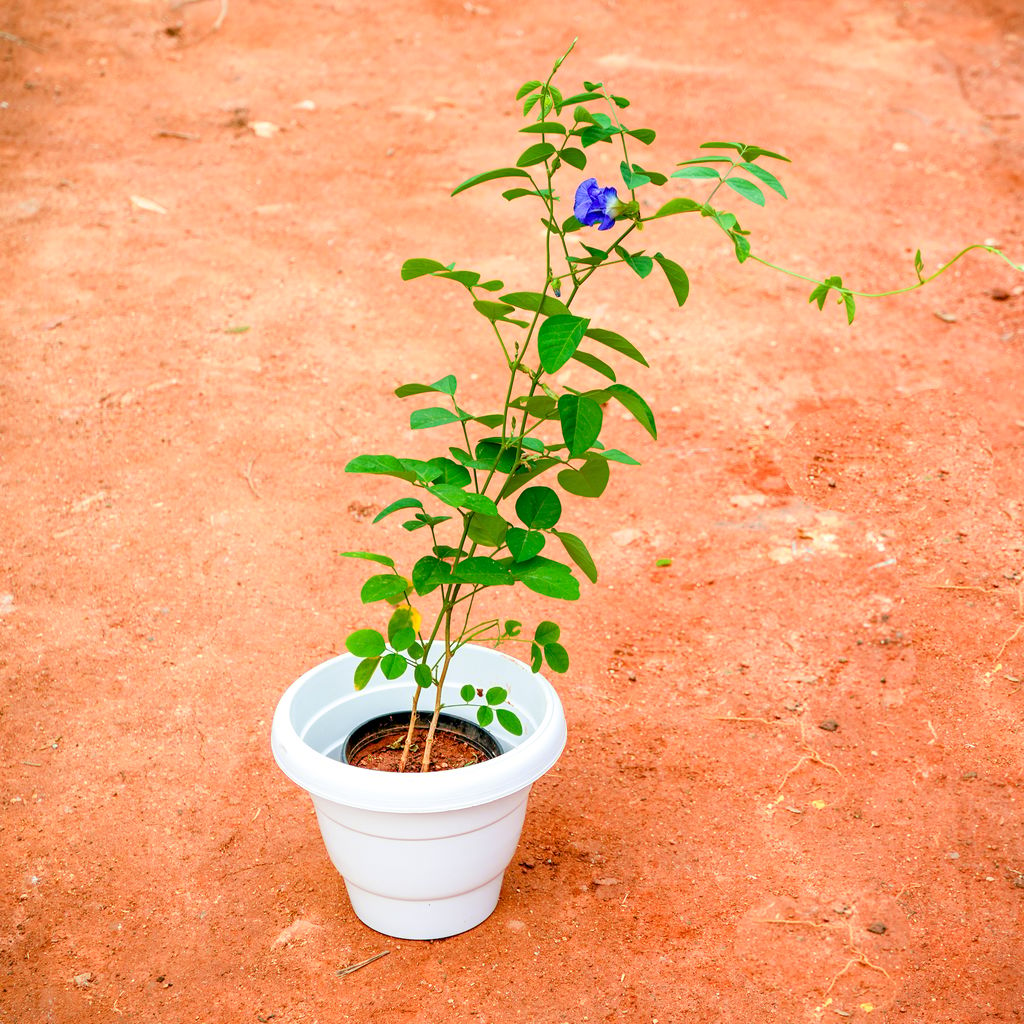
pixel 447 751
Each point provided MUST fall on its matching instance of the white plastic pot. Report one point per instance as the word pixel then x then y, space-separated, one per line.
pixel 422 855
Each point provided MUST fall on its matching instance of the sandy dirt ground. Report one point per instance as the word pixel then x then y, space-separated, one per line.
pixel 183 375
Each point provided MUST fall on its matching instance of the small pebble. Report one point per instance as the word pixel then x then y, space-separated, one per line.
pixel 877 928
pixel 829 725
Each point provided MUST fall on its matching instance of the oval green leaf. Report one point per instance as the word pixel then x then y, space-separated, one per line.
pixel 365 643
pixel 539 508
pixel 477 179
pixel 393 666
pixel 558 338
pixel 557 657
pixel 364 672
pixel 383 588
pixel 581 420
pixel 509 721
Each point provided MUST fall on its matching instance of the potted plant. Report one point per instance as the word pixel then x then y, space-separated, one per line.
pixel 422 848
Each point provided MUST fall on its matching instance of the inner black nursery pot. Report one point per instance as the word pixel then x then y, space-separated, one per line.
pixel 389 731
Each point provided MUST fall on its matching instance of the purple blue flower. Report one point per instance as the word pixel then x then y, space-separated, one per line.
pixel 596 205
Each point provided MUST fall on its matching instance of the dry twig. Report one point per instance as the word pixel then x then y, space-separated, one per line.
pixel 859 958
pixel 10 37
pixel 247 473
pixel 352 968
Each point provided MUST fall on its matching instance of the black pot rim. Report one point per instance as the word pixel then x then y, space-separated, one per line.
pixel 476 736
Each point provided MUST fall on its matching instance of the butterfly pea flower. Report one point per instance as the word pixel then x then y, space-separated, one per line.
pixel 596 205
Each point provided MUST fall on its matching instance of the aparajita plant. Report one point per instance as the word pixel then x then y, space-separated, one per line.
pixel 489 507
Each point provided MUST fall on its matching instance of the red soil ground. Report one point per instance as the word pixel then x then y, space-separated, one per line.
pixel 843 509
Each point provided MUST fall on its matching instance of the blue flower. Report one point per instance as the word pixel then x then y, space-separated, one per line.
pixel 596 205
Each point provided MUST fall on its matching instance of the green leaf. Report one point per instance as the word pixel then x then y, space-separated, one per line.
pixel 429 573
pixel 513 627
pixel 616 342
pixel 509 721
pixel 558 338
pixel 423 676
pixel 393 666
pixel 524 544
pixel 753 152
pixel 509 195
pixel 480 570
pixel 496 311
pixel 547 632
pixel 582 97
pixel 598 365
pixel 456 497
pixel 484 716
pixel 536 302
pixel 487 530
pixel 401 628
pixel 444 386
pixel 677 279
pixel 477 179
pixel 640 264
pixel 467 278
pixel 548 578
pixel 423 419
pixel 738 146
pixel 384 465
pixel 636 405
pixel 557 657
pixel 496 695
pixel 383 588
pixel 644 135
pixel 632 176
pixel 364 672
pixel 467 693
pixel 539 508
pixel 657 178
pixel 536 657
pixel 365 643
pixel 577 551
pixel 747 189
pixel 545 128
pixel 674 206
pixel 394 507
pixel 540 407
pixel 526 88
pixel 420 268
pixel 526 475
pixel 422 471
pixel 614 455
pixel 766 176
pixel 696 171
pixel 820 293
pixel 574 157
pixel 919 266
pixel 450 472
pixel 535 154
pixel 581 420
pixel 369 556
pixel 587 482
